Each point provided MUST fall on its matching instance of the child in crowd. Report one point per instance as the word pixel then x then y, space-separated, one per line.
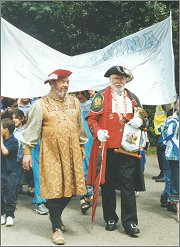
pixel 8 106
pixel 9 149
pixel 164 200
pixel 25 104
pixel 18 118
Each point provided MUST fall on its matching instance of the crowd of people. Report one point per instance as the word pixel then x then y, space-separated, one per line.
pixel 99 141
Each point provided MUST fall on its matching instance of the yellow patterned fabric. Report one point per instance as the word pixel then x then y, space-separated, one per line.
pixel 159 119
pixel 61 172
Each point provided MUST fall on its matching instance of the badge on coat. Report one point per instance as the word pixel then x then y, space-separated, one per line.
pixel 97 103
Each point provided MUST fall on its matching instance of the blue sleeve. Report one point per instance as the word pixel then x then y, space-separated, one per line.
pixel 12 145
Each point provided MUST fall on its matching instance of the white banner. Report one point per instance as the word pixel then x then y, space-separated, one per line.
pixel 26 62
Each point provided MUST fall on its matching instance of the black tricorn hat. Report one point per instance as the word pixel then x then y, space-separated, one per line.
pixel 119 70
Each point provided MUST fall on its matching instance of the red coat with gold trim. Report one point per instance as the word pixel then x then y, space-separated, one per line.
pixel 99 117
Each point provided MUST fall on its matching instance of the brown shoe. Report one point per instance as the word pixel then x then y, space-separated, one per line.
pixel 57 237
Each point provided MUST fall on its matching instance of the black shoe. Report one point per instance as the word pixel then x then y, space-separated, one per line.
pixel 84 205
pixel 111 225
pixel 132 229
pixel 171 207
pixel 162 180
pixel 164 204
pixel 157 177
pixel 163 201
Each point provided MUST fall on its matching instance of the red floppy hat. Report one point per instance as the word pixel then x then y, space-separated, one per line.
pixel 57 74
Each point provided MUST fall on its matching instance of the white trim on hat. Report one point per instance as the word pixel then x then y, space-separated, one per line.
pixel 52 76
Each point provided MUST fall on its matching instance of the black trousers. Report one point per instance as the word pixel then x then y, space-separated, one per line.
pixel 8 193
pixel 160 155
pixel 120 175
pixel 56 207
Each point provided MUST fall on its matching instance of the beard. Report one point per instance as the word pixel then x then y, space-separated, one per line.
pixel 118 90
pixel 61 94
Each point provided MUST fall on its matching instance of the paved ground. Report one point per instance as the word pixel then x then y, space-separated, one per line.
pixel 158 226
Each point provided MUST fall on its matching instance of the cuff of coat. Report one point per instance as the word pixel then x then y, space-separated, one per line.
pixel 27 151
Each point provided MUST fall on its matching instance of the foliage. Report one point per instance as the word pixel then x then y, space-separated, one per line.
pixel 151 134
pixel 151 150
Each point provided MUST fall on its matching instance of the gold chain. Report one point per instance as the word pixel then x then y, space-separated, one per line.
pixel 121 115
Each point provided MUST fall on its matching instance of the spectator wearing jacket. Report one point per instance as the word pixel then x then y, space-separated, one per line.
pixel 171 141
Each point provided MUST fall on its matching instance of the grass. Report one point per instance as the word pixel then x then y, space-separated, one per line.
pixel 151 150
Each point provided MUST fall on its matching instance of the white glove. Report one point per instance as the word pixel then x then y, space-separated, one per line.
pixel 102 135
pixel 136 122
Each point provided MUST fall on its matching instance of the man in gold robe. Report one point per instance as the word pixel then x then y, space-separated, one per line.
pixel 56 119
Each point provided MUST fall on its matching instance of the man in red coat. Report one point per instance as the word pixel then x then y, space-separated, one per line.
pixel 109 111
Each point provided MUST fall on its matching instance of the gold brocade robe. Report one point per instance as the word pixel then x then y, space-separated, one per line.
pixel 60 125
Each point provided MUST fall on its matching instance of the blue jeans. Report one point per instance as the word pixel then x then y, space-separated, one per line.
pixel 167 176
pixel 142 160
pixel 35 167
pixel 174 188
